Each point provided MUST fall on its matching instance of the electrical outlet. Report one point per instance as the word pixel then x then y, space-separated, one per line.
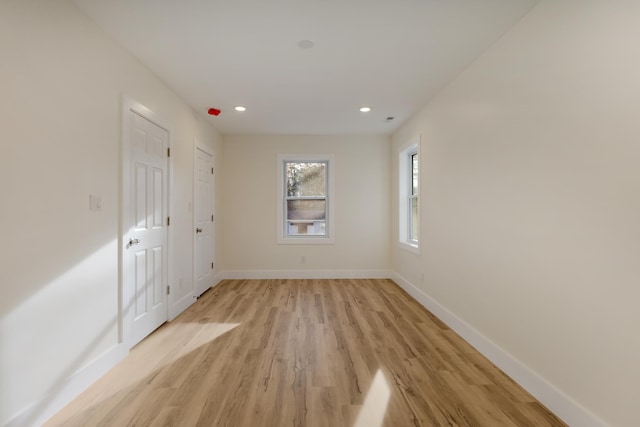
pixel 303 259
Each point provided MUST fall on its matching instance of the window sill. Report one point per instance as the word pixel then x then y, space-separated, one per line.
pixel 415 249
pixel 306 241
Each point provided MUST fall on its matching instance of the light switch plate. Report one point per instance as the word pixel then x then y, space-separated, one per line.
pixel 95 202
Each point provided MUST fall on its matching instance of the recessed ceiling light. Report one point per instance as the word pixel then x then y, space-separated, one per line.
pixel 365 109
pixel 240 108
pixel 305 44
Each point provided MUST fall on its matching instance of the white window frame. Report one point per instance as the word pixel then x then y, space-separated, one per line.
pixel 405 185
pixel 327 239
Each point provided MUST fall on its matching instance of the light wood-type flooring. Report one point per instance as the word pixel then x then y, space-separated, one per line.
pixel 353 353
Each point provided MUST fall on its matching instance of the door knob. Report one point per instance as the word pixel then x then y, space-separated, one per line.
pixel 133 242
pixel 198 230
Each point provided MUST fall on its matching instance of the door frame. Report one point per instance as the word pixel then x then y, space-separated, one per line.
pixel 125 269
pixel 199 146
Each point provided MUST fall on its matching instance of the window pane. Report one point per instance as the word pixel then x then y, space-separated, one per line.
pixel 306 217
pixel 414 174
pixel 306 209
pixel 413 227
pixel 298 228
pixel 306 179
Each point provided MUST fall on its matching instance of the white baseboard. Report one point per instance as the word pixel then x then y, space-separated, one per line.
pixel 567 409
pixel 40 411
pixel 219 277
pixel 306 274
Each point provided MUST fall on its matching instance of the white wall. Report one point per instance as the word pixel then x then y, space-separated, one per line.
pixel 530 226
pixel 531 201
pixel 61 86
pixel 361 205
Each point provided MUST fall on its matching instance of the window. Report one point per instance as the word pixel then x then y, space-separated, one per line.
pixel 305 203
pixel 409 191
pixel 413 229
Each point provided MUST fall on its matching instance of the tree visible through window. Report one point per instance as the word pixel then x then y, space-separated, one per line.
pixel 306 198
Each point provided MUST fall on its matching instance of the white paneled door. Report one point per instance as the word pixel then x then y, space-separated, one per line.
pixel 203 260
pixel 145 238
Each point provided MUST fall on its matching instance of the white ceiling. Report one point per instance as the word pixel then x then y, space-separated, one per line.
pixel 392 55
